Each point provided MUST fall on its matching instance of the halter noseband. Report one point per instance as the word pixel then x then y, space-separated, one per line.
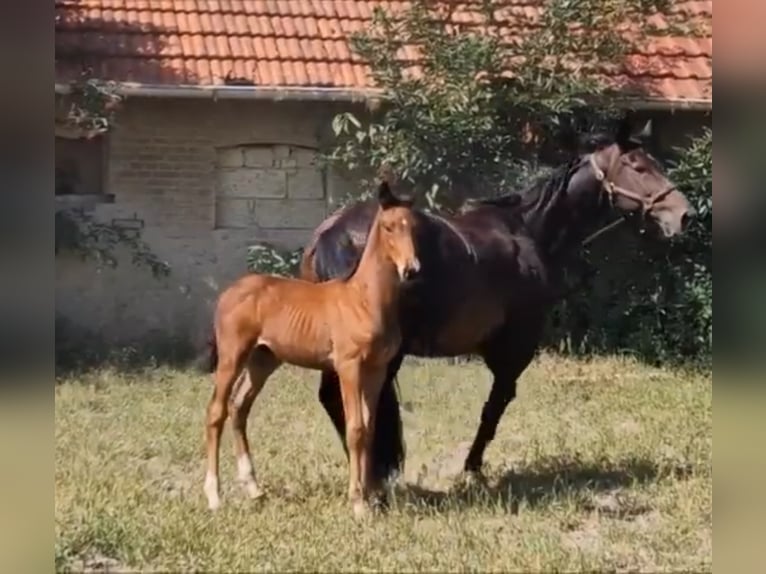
pixel 612 188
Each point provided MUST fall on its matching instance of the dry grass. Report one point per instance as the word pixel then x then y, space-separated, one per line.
pixel 597 465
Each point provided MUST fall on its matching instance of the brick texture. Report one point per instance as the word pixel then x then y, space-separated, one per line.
pixel 180 169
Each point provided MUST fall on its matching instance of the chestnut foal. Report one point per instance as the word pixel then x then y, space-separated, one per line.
pixel 349 325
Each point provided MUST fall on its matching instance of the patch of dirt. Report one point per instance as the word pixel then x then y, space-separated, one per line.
pixel 445 467
pixel 100 563
pixel 172 480
pixel 616 504
pixel 629 426
pixel 586 538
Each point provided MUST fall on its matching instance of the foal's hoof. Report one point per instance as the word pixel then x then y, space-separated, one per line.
pixel 254 492
pixel 213 504
pixel 360 510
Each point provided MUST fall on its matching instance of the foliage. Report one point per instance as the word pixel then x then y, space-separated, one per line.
pixel 267 258
pixel 480 105
pixel 662 302
pixel 90 108
pixel 91 105
pixel 79 232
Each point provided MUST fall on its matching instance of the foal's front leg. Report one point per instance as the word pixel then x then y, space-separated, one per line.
pixel 351 393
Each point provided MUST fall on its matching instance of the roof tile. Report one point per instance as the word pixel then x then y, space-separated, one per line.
pixel 306 43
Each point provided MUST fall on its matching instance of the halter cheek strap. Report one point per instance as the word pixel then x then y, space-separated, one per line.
pixel 613 189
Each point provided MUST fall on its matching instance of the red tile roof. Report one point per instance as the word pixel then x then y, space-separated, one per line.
pixel 303 43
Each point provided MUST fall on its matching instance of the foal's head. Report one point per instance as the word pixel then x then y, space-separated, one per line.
pixel 397 224
pixel 636 184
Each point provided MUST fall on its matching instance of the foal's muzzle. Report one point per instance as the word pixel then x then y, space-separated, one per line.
pixel 411 271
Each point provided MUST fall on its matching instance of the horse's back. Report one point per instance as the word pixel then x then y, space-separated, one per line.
pixel 337 245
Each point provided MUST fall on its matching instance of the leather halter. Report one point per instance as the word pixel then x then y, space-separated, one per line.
pixel 612 188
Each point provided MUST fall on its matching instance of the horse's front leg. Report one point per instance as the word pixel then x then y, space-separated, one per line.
pixel 371 386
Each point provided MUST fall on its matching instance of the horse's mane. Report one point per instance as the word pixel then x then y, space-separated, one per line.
pixel 335 256
pixel 539 192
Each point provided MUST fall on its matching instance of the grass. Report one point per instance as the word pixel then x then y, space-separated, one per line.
pixel 597 465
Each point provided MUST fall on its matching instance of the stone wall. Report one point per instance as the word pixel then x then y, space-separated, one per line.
pixel 201 180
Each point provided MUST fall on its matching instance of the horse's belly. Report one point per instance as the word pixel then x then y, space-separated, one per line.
pixel 460 334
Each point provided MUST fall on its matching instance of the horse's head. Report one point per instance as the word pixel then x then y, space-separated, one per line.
pixel 635 183
pixel 397 225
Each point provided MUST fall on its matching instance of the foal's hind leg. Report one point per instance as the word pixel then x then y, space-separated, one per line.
pixel 351 392
pixel 260 366
pixel 231 359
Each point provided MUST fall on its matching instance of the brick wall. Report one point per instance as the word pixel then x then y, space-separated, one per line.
pixel 202 180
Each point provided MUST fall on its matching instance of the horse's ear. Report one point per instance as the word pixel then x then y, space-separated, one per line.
pixel 645 132
pixel 568 138
pixel 622 134
pixel 629 136
pixel 386 197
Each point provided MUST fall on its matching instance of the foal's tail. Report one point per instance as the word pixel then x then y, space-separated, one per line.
pixel 207 361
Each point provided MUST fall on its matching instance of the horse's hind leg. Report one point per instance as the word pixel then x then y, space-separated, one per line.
pixel 372 384
pixel 260 366
pixel 331 400
pixel 231 359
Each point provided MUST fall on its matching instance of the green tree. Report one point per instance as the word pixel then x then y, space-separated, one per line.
pixel 657 299
pixel 477 108
pixel 469 107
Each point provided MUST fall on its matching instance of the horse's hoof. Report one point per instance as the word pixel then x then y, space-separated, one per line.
pixel 473 479
pixel 379 502
pixel 213 504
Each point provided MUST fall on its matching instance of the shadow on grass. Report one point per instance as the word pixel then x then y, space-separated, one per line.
pixel 545 481
pixel 72 361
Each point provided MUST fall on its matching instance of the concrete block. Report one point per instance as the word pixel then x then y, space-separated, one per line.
pixel 281 151
pixel 252 183
pixel 292 214
pixel 286 164
pixel 305 157
pixel 306 184
pixel 259 156
pixel 235 213
pixel 231 157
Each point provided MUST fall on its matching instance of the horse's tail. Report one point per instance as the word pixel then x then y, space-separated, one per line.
pixel 207 361
pixel 335 255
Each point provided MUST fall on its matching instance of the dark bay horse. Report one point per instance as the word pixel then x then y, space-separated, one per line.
pixel 349 325
pixel 490 274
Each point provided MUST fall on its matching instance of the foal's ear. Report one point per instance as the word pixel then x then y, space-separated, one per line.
pixel 386 197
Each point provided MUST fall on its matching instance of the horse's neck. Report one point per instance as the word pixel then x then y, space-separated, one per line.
pixel 376 274
pixel 558 227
